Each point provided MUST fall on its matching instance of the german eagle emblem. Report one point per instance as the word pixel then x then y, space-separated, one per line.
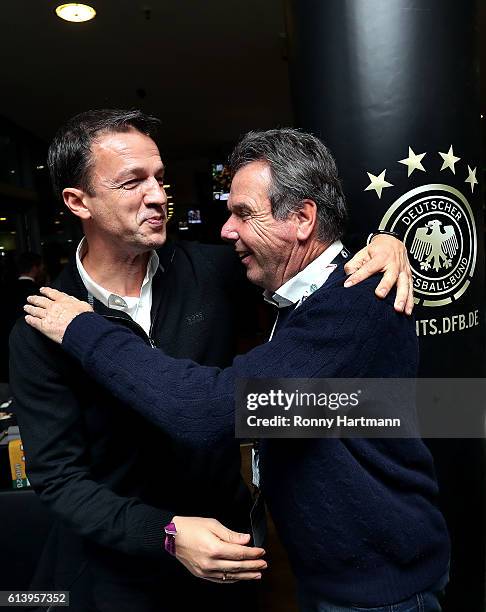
pixel 434 246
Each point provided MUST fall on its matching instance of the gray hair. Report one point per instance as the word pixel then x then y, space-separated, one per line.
pixel 302 167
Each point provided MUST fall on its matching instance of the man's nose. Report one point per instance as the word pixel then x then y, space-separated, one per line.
pixel 154 192
pixel 228 231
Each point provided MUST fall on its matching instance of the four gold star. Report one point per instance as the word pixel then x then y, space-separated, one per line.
pixel 378 183
pixel 449 160
pixel 413 161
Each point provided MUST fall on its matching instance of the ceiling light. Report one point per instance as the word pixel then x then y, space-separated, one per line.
pixel 3 218
pixel 75 12
pixel 166 186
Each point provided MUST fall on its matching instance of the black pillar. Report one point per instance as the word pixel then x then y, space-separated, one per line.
pixel 392 87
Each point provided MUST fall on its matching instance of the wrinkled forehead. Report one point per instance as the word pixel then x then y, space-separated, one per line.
pixel 251 185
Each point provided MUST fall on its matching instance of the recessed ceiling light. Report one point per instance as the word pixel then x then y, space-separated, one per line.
pixel 75 12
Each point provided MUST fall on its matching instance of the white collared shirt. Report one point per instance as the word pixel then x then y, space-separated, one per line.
pixel 310 279
pixel 137 307
pixel 295 291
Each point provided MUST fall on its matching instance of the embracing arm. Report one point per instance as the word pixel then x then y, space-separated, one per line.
pixel 195 404
pixel 388 255
pixel 190 402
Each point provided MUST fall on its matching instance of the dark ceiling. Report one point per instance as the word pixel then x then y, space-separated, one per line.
pixel 210 69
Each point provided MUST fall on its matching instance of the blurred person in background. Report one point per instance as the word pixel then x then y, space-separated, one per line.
pixel 30 275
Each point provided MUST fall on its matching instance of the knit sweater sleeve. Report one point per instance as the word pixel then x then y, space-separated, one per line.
pixel 336 334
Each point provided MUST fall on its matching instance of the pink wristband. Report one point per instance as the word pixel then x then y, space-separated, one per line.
pixel 169 544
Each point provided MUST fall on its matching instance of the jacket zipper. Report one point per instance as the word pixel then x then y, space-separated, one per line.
pixel 138 329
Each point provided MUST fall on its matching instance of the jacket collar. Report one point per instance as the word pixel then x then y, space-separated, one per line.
pixel 70 282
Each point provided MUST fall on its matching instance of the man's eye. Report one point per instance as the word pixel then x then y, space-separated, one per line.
pixel 131 184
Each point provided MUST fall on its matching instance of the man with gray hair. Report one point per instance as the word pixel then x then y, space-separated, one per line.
pixel 358 517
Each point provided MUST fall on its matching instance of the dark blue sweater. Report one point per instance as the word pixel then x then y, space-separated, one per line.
pixel 358 517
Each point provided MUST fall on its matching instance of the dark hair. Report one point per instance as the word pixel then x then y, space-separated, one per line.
pixel 302 167
pixel 26 261
pixel 70 156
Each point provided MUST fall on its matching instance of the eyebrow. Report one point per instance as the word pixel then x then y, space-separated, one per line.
pixel 241 207
pixel 136 171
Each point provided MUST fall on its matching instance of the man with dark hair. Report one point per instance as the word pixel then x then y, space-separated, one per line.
pixel 116 483
pixel 70 157
pixel 113 482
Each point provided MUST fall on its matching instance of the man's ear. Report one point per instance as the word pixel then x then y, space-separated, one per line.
pixel 306 218
pixel 75 199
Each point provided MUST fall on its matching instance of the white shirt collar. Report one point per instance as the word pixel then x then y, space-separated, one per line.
pixel 137 307
pixel 308 280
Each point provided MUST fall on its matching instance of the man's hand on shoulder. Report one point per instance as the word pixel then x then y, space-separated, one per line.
pixel 52 312
pixel 388 255
pixel 211 551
